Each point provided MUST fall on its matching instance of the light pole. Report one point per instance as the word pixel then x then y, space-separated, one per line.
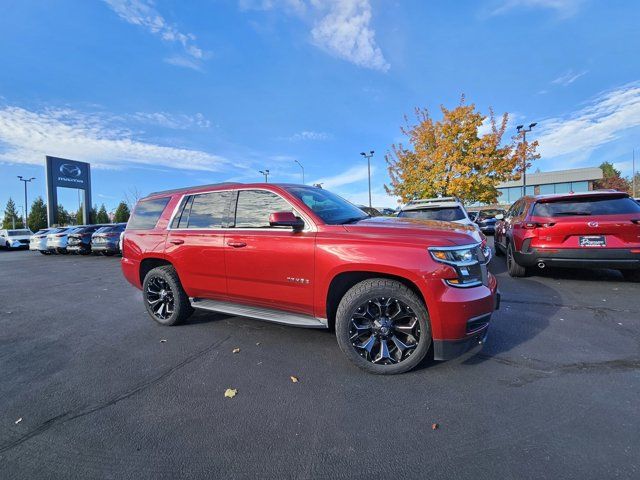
pixel 633 173
pixel 266 175
pixel 25 180
pixel 368 157
pixel 301 168
pixel 524 131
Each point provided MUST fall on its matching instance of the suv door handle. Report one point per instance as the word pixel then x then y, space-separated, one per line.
pixel 237 244
pixel 176 242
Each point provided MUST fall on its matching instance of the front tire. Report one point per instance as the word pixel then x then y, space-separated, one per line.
pixel 382 326
pixel 164 298
pixel 513 267
pixel 631 275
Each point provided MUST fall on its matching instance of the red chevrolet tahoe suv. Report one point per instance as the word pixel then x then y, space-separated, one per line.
pixel 598 229
pixel 300 255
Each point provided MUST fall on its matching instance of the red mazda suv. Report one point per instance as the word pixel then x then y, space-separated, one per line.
pixel 297 255
pixel 598 229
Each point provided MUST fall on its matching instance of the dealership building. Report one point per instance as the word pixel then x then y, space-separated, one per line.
pixel 560 181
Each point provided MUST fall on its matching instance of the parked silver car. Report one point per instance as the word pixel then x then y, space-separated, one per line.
pixel 57 242
pixel 38 241
pixel 12 239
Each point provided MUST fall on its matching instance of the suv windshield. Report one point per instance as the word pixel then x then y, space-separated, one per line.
pixel 484 214
pixel 447 214
pixel 331 208
pixel 586 206
pixel 16 233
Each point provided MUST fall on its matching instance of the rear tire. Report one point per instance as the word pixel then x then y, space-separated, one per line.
pixel 513 267
pixel 498 249
pixel 379 312
pixel 164 298
pixel 631 275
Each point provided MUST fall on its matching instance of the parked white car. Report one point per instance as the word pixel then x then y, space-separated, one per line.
pixel 38 241
pixel 447 209
pixel 57 242
pixel 12 239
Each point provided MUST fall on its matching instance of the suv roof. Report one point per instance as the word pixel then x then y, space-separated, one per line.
pixel 562 196
pixel 189 189
pixel 425 203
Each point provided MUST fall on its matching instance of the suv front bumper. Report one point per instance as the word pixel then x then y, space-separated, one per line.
pixel 616 258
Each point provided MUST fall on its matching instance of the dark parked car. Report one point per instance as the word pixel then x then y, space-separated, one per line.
pixel 106 240
pixel 80 240
pixel 486 220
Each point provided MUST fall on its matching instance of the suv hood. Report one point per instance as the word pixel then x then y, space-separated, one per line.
pixel 441 233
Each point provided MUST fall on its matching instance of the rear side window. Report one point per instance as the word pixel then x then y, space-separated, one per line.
pixel 147 213
pixel 255 206
pixel 586 206
pixel 206 210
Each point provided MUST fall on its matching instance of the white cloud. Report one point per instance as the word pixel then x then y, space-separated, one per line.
pixel 563 8
pixel 27 136
pixel 379 199
pixel 568 78
pixel 143 13
pixel 346 33
pixel 602 121
pixel 174 121
pixel 341 28
pixel 354 174
pixel 306 135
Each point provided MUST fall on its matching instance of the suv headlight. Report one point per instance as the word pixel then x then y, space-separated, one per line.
pixel 466 260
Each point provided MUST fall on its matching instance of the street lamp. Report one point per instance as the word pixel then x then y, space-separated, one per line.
pixel 368 157
pixel 301 168
pixel 25 180
pixel 266 175
pixel 524 131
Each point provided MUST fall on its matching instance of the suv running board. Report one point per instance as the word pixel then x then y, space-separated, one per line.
pixel 268 314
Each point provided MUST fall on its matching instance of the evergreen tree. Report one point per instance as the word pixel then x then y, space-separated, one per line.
pixel 63 216
pixel 11 215
pixel 38 215
pixel 93 215
pixel 79 216
pixel 122 213
pixel 102 216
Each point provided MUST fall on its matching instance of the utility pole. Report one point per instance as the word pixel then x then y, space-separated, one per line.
pixel 633 173
pixel 266 175
pixel 368 157
pixel 25 180
pixel 301 168
pixel 524 131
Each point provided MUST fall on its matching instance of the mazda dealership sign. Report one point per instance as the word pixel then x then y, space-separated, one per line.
pixel 62 172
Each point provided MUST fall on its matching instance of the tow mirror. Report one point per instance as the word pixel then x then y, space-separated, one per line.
pixel 499 216
pixel 286 219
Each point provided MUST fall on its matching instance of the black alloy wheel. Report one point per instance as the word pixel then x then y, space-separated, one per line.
pixel 383 326
pixel 160 298
pixel 164 298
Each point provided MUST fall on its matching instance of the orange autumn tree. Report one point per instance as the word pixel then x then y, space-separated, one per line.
pixel 449 157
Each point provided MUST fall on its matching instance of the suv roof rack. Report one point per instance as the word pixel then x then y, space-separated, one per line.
pixel 176 190
pixel 433 200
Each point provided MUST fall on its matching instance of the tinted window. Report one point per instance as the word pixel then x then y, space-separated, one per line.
pixel 331 208
pixel 255 206
pixel 16 233
pixel 446 214
pixel 147 213
pixel 207 210
pixel 586 206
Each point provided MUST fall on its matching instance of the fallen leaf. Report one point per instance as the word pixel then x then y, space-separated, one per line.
pixel 164 340
pixel 257 343
pixel 294 379
pixel 230 392
pixel 236 350
pixel 18 421
pixel 434 426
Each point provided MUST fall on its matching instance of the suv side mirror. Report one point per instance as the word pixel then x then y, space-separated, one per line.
pixel 499 216
pixel 286 219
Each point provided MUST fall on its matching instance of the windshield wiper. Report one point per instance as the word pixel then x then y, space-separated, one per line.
pixel 573 213
pixel 354 219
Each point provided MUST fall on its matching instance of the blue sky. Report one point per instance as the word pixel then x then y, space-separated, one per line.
pixel 165 93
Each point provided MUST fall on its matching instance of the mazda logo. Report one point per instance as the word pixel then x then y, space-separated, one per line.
pixel 593 224
pixel 69 170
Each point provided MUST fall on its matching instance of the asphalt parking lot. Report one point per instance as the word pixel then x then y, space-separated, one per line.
pixel 104 392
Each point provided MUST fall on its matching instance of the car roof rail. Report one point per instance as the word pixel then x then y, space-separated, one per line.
pixel 423 201
pixel 176 190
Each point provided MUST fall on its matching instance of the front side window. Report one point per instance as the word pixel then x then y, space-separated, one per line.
pixel 147 213
pixel 446 214
pixel 254 207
